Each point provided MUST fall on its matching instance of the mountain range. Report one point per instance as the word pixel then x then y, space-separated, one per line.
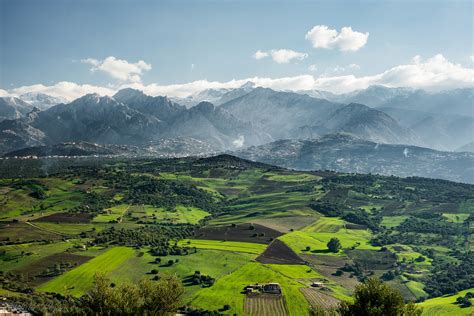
pixel 254 122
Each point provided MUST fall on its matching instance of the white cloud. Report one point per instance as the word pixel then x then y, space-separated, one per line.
pixel 239 142
pixel 192 67
pixel 354 66
pixel 472 58
pixel 283 56
pixel 119 68
pixel 435 73
pixel 313 67
pixel 322 36
pixel 260 55
pixel 65 89
pixel 4 93
pixel 280 56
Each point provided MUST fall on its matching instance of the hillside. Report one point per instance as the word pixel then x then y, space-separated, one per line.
pixel 222 223
pixel 346 153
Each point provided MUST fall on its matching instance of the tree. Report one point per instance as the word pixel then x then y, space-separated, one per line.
pixel 162 297
pixel 334 245
pixel 376 298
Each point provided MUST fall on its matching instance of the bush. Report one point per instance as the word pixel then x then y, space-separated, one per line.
pixel 376 298
pixel 334 245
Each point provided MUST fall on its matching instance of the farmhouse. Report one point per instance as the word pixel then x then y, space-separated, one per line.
pixel 317 284
pixel 272 288
pixel 269 288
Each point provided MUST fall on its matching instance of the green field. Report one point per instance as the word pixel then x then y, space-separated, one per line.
pixel 112 213
pixel 244 247
pixel 445 305
pixel 299 240
pixel 77 281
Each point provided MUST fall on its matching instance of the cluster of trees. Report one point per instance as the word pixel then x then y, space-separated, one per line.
pixel 465 301
pixel 35 188
pixel 356 216
pixel 161 192
pixel 434 226
pixel 204 280
pixel 449 278
pixel 423 189
pixel 174 250
pixel 156 236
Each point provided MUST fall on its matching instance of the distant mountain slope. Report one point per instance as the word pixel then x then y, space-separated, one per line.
pixel 13 108
pixel 346 153
pixel 215 96
pixel 216 126
pixel 177 147
pixel 457 101
pixel 96 119
pixel 292 115
pixel 41 100
pixel 467 147
pixel 160 107
pixel 437 130
pixel 18 134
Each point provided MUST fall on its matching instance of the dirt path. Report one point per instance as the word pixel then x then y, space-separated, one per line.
pixel 45 229
pixel 123 214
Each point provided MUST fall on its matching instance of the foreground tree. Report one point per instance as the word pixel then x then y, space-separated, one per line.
pixel 376 298
pixel 162 297
pixel 334 245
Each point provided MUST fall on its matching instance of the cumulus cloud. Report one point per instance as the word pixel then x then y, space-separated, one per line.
pixel 119 68
pixel 281 56
pixel 260 55
pixel 435 73
pixel 346 40
pixel 472 58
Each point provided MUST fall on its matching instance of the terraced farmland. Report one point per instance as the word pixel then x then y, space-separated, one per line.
pixel 265 304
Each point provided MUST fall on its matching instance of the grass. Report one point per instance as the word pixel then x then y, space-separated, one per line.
pixel 235 246
pixel 79 280
pixel 112 214
pixel 299 240
pixel 70 228
pixel 295 271
pixel 410 255
pixel 444 305
pixel 456 218
pixel 293 177
pixel 416 288
pixel 21 255
pixel 227 290
pixel 393 221
pixel 215 263
pixel 325 225
pixel 180 215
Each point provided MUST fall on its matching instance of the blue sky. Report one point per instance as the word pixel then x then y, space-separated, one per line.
pixel 46 42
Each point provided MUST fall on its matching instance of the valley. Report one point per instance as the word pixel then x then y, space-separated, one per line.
pixel 223 223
